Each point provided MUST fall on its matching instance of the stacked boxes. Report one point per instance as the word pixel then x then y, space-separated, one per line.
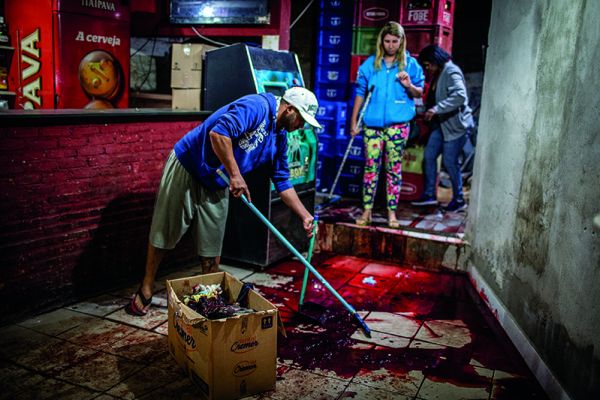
pixel 333 50
pixel 369 18
pixel 351 179
pixel 428 13
pixel 424 21
pixel 332 115
pixel 332 78
pixel 427 22
pixel 226 358
pixel 186 75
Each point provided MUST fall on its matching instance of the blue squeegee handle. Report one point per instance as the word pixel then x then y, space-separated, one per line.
pixel 299 256
pixel 311 246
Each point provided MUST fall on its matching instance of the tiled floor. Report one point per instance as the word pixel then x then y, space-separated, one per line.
pixel 429 341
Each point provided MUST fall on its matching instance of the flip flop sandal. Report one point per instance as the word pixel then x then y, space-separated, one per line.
pixel 133 307
pixel 363 221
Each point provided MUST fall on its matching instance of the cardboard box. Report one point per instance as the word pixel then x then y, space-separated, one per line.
pixel 227 358
pixel 186 65
pixel 186 99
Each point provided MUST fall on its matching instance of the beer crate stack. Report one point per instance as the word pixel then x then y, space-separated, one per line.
pixel 332 85
pixel 368 18
pixel 427 22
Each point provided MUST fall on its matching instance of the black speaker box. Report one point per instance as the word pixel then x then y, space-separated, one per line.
pixel 230 72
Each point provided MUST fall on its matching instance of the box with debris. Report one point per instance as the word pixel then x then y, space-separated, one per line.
pixel 223 334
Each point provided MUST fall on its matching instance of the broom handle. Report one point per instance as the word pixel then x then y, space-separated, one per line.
pixel 311 245
pixel 302 259
pixel 360 118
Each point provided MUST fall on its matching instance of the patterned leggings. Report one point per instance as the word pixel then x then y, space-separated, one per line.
pixel 389 142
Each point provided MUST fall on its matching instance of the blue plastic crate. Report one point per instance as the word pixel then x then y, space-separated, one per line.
pixel 354 166
pixel 357 150
pixel 349 186
pixel 337 5
pixel 325 173
pixel 332 57
pixel 330 74
pixel 340 20
pixel 331 91
pixel 332 128
pixel 336 39
pixel 351 97
pixel 336 110
pixel 323 183
pixel 326 146
pixel 325 165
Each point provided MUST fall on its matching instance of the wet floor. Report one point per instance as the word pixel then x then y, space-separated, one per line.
pixel 430 340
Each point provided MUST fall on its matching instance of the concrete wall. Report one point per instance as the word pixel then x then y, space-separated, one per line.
pixel 537 181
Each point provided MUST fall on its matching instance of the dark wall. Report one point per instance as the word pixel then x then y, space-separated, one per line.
pixel 303 36
pixel 471 26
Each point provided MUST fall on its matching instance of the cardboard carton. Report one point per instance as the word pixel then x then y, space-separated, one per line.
pixel 186 65
pixel 227 358
pixel 186 99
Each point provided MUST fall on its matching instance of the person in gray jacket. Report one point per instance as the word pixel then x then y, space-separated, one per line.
pixel 450 122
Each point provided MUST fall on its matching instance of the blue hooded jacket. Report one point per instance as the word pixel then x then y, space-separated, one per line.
pixel 250 122
pixel 390 102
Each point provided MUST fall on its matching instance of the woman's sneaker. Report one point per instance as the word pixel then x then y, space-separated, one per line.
pixel 425 201
pixel 455 206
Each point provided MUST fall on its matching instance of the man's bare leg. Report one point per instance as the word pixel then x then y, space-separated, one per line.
pixel 210 264
pixel 153 259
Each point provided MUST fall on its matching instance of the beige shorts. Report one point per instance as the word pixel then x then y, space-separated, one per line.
pixel 182 202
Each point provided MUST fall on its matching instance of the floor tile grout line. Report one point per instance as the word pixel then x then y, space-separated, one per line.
pixel 129 376
pixel 56 336
pixel 118 321
pixel 420 386
pixel 46 375
pixel 492 384
pixel 343 391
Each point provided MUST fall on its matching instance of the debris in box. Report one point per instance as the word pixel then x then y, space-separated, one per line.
pixel 209 301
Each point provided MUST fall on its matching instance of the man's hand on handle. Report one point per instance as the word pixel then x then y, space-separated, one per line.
pixel 238 187
pixel 308 223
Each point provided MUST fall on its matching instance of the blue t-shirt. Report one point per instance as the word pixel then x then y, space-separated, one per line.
pixel 250 123
pixel 390 102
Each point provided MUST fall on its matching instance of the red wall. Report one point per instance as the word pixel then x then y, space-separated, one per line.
pixel 75 204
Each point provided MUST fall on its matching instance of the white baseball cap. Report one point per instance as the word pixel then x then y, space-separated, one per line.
pixel 306 103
